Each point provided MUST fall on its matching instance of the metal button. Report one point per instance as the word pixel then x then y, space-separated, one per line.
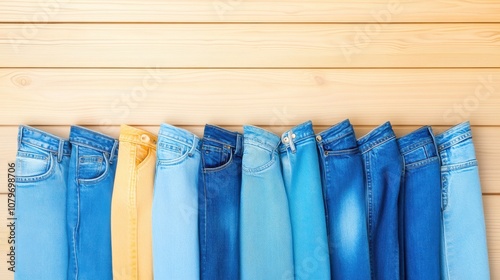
pixel 285 139
pixel 144 138
pixel 293 136
pixel 318 138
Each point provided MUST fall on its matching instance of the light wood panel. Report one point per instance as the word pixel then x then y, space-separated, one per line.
pixel 257 96
pixel 250 45
pixel 485 140
pixel 249 11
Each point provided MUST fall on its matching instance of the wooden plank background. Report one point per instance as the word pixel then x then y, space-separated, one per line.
pixel 269 63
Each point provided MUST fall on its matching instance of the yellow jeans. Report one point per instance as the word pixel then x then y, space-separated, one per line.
pixel 131 205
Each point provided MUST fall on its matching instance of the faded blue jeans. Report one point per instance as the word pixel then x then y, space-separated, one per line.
pixel 90 187
pixel 345 199
pixel 383 167
pixel 175 205
pixel 219 203
pixel 41 177
pixel 420 207
pixel 464 249
pixel 300 168
pixel 265 227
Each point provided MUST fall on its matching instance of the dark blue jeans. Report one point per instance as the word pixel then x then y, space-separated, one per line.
pixel 219 203
pixel 420 205
pixel 383 171
pixel 344 193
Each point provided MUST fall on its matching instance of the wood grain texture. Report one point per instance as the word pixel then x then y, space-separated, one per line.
pixel 485 140
pixel 249 11
pixel 256 96
pixel 250 45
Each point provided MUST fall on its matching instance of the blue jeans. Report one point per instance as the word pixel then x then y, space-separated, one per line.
pixel 219 203
pixel 464 250
pixel 420 196
pixel 265 228
pixel 41 177
pixel 175 205
pixel 300 168
pixel 90 187
pixel 383 171
pixel 345 201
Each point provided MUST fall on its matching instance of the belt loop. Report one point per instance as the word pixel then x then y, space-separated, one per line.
pixel 113 152
pixel 60 150
pixel 239 146
pixel 292 145
pixel 193 146
pixel 435 144
pixel 20 136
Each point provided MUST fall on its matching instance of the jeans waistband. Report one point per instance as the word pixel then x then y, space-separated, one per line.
pixel 335 132
pixel 295 135
pixel 376 137
pixel 137 136
pixel 415 139
pixel 82 136
pixel 43 140
pixel 223 136
pixel 261 137
pixel 453 136
pixel 180 135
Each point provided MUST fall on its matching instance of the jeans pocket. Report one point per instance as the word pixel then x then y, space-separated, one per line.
pixel 257 159
pixel 171 151
pixel 33 164
pixel 216 158
pixel 92 165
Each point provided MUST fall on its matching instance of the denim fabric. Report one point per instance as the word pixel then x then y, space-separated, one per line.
pixel 131 235
pixel 344 193
pixel 175 205
pixel 41 177
pixel 421 205
pixel 383 171
pixel 464 249
pixel 90 186
pixel 219 203
pixel 300 168
pixel 265 227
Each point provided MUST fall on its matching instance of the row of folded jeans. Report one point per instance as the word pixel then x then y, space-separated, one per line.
pixel 249 206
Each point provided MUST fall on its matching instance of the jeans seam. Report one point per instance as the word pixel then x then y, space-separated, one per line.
pixel 133 210
pixel 369 209
pixel 420 163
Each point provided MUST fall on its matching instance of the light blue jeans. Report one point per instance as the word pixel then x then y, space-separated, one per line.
pixel 265 229
pixel 464 250
pixel 175 205
pixel 345 199
pixel 91 177
pixel 300 168
pixel 41 177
